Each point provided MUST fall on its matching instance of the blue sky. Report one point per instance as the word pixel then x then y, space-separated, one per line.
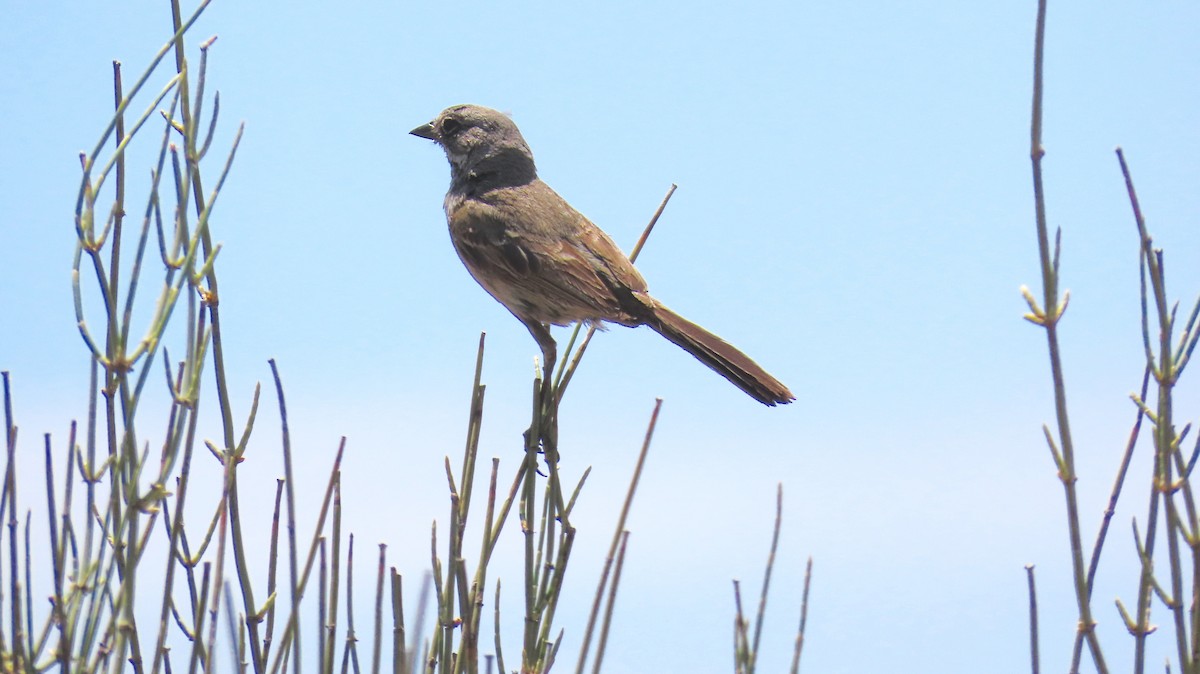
pixel 854 211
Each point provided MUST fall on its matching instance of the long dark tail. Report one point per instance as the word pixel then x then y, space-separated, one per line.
pixel 721 356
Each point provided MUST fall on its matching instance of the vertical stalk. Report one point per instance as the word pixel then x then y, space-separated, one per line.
pixel 1048 319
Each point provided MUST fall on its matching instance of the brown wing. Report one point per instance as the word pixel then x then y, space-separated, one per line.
pixel 543 260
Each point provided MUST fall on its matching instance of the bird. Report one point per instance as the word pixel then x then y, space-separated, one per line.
pixel 546 262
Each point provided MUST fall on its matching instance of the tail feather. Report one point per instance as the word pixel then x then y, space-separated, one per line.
pixel 721 356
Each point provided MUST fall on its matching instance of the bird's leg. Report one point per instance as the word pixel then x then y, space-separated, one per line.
pixel 547 434
pixel 546 417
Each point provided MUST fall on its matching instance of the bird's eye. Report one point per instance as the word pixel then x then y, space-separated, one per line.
pixel 450 126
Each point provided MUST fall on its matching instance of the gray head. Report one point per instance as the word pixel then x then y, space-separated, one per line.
pixel 484 147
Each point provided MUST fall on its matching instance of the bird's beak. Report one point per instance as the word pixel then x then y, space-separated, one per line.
pixel 425 131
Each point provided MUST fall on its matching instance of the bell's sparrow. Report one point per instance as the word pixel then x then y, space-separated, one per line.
pixel 547 263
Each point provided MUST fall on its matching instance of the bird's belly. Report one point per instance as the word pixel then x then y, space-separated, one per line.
pixel 528 299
